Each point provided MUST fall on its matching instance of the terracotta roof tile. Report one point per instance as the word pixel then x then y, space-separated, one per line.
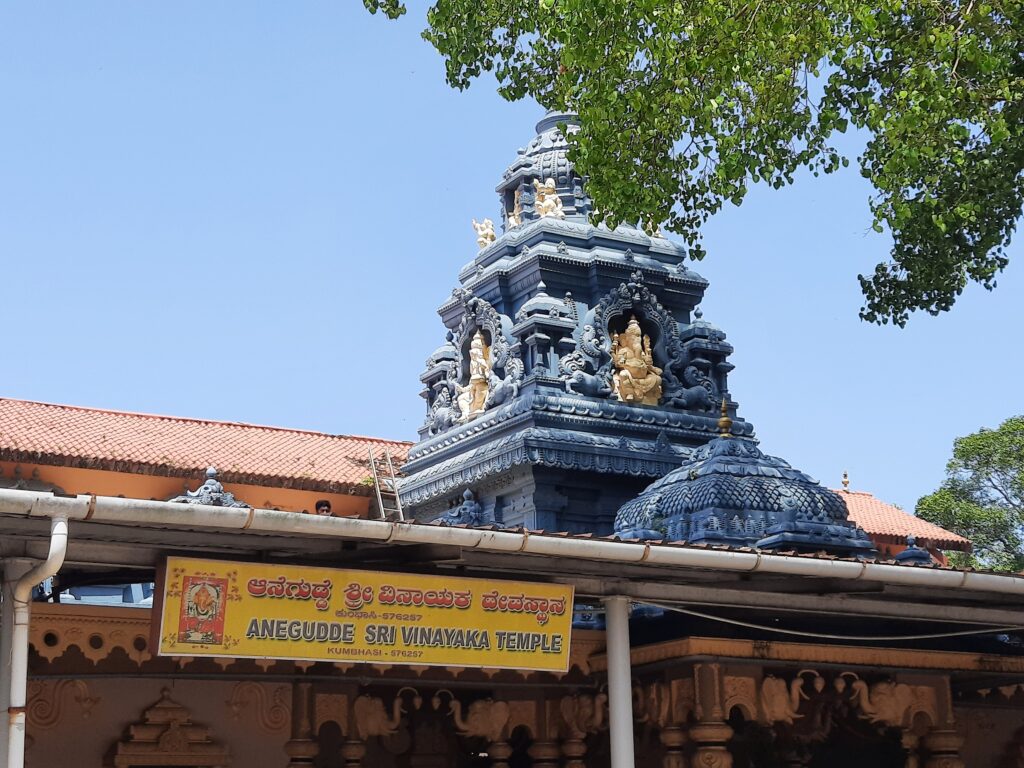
pixel 164 445
pixel 884 520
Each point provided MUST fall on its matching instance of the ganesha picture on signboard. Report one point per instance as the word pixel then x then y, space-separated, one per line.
pixel 202 610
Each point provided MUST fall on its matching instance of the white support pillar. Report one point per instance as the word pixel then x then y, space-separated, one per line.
pixel 12 572
pixel 620 682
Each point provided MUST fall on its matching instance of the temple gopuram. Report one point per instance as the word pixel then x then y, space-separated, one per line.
pixel 586 559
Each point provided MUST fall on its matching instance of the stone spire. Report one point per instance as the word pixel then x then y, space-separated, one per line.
pixel 588 398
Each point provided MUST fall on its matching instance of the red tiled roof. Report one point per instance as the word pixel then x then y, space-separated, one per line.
pixel 884 521
pixel 164 445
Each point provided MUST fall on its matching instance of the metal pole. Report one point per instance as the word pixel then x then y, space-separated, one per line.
pixel 16 705
pixel 394 485
pixel 620 684
pixel 376 482
pixel 13 570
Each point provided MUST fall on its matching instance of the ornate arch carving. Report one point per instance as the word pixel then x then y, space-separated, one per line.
pixel 741 692
pixel 506 365
pixel 168 737
pixel 588 369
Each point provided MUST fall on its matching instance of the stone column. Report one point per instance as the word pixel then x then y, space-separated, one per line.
pixel 500 752
pixel 353 751
pixel 545 754
pixel 301 748
pixel 673 737
pixel 943 745
pixel 711 732
pixel 910 741
pixel 573 750
pixel 711 750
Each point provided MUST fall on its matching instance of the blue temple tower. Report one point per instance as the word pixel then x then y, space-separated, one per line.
pixel 526 407
pixel 576 368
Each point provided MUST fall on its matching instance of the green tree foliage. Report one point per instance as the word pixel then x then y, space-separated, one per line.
pixel 982 497
pixel 686 103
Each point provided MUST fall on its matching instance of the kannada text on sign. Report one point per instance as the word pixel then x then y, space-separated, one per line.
pixel 248 610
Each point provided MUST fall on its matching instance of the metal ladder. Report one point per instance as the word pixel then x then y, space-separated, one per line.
pixel 386 486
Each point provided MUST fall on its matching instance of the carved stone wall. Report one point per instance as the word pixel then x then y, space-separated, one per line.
pixel 166 735
pixel 91 716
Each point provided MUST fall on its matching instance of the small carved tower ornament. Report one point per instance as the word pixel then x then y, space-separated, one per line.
pixel 636 378
pixel 168 737
pixel 211 493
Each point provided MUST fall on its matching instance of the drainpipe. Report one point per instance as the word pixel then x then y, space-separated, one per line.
pixel 13 570
pixel 19 640
pixel 620 682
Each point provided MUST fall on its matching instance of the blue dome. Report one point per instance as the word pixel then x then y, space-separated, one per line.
pixel 547 153
pixel 729 492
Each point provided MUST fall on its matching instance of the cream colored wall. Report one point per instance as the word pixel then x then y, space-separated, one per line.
pixel 74 741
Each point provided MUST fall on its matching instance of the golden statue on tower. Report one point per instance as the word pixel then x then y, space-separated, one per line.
pixel 636 378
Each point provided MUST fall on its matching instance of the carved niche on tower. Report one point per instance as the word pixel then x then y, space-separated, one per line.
pixel 636 378
pixel 628 347
pixel 486 371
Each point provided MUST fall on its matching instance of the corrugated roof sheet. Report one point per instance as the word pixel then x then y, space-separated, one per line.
pixel 164 445
pixel 884 520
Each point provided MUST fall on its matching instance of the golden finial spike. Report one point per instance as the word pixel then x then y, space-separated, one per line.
pixel 725 423
pixel 846 480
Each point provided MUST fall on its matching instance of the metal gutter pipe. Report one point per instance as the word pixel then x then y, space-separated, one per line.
pixel 108 509
pixel 19 641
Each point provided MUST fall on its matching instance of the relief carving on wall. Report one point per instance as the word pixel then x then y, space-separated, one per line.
pixel 51 633
pixel 894 704
pixel 522 713
pixel 168 737
pixel 780 701
pixel 485 718
pixel 741 692
pixel 584 713
pixel 885 703
pixel 48 700
pixel 271 706
pixel 372 718
pixel 664 703
pixel 332 707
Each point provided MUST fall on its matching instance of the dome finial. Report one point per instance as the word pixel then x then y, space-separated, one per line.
pixel 725 423
pixel 846 481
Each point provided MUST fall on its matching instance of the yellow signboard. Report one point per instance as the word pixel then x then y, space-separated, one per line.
pixel 261 611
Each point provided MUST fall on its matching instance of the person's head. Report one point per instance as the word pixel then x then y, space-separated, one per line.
pixel 323 507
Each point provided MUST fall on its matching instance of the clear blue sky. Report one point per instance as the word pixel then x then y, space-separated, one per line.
pixel 251 210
